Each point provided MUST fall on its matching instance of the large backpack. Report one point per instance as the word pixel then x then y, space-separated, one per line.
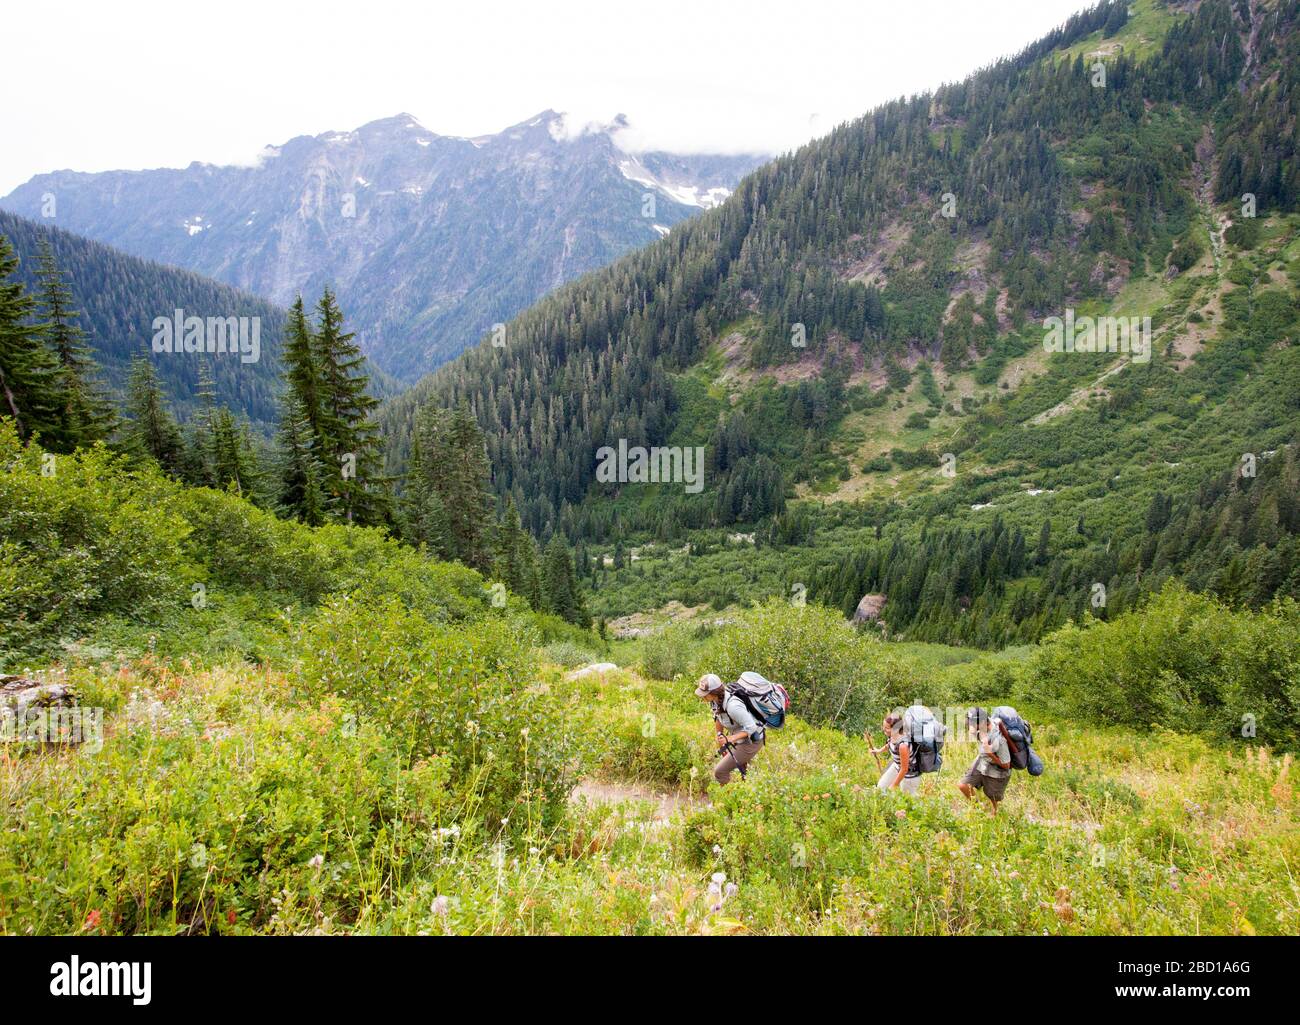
pixel 925 735
pixel 767 701
pixel 1020 739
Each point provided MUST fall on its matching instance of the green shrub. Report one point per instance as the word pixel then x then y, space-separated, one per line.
pixel 567 654
pixel 80 536
pixel 463 694
pixel 203 813
pixel 669 653
pixel 1183 661
pixel 246 547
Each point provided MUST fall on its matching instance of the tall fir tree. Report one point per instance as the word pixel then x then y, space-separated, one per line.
pixel 150 430
pixel 234 459
pixel 447 490
pixel 28 373
pixel 561 592
pixel 350 443
pixel 300 477
pixel 201 433
pixel 84 414
pixel 514 552
pixel 302 375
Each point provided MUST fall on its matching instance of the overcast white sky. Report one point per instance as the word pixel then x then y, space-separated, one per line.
pixel 95 86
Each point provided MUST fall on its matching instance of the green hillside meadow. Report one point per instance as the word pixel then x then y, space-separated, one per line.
pixel 283 652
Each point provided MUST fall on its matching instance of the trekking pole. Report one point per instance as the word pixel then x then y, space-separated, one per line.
pixel 730 748
pixel 874 753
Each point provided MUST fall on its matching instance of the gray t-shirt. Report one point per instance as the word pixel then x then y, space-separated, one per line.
pixel 735 717
pixel 987 765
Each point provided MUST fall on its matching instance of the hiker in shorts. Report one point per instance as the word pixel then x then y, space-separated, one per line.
pixel 992 766
pixel 738 732
pixel 904 771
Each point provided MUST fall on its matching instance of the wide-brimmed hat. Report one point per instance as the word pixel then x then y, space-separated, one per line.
pixel 710 683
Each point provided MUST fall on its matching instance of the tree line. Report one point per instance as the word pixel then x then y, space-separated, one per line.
pixel 325 463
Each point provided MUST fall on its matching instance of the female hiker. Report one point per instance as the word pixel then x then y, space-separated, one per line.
pixel 739 733
pixel 903 772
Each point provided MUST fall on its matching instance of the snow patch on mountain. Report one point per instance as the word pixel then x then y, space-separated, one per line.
pixel 704 197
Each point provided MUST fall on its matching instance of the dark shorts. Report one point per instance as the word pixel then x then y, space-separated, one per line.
pixel 993 786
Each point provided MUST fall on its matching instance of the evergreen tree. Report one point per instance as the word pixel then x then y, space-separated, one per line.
pixel 234 460
pixel 28 373
pixel 299 473
pixel 449 486
pixel 84 415
pixel 514 551
pixel 424 515
pixel 561 594
pixel 349 436
pixel 302 376
pixel 150 429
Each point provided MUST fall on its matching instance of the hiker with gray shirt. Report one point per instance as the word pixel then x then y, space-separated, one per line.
pixel 992 766
pixel 738 732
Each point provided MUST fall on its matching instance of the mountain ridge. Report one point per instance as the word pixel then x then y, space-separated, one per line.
pixel 428 239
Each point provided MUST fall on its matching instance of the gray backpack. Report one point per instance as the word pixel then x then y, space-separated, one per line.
pixel 767 701
pixel 925 734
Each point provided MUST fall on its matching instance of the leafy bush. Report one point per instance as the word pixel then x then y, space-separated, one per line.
pixel 1183 661
pixel 203 812
pixel 1185 253
pixel 246 547
pixel 80 536
pixel 464 695
pixel 567 654
pixel 669 653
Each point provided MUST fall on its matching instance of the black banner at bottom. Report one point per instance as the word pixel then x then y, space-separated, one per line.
pixel 145 975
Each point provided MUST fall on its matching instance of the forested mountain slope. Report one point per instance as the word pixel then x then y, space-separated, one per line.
pixel 878 300
pixel 120 296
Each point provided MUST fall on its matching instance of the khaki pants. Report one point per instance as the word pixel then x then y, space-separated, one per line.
pixel 740 754
pixel 908 785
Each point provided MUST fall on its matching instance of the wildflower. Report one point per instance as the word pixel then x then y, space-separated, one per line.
pixel 717 850
pixel 719 877
pixel 441 905
pixel 230 916
pixel 92 920
pixel 900 814
pixel 317 861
